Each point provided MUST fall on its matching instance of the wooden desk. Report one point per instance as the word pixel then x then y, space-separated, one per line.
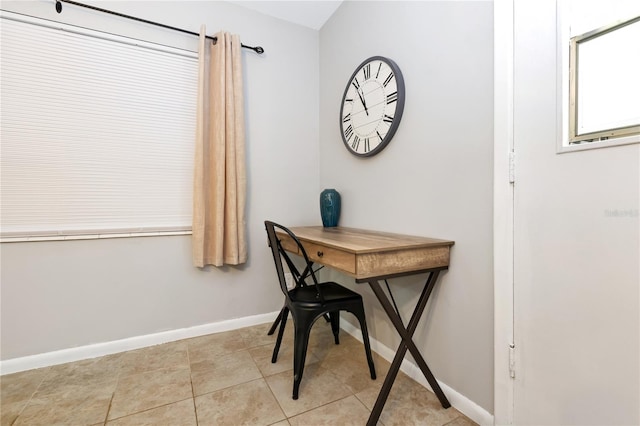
pixel 370 256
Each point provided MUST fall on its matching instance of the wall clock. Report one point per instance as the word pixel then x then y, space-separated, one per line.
pixel 372 106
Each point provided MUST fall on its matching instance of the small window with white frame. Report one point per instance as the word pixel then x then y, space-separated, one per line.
pixel 600 86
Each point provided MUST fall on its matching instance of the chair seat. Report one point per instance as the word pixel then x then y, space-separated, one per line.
pixel 331 291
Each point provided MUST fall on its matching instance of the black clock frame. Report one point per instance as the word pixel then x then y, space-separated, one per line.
pixel 399 108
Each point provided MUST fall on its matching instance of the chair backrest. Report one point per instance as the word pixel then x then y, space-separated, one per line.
pixel 279 254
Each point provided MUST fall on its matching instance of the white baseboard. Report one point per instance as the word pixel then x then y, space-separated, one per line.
pixel 100 349
pixel 457 400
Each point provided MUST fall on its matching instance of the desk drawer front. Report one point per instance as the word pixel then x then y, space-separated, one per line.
pixel 338 259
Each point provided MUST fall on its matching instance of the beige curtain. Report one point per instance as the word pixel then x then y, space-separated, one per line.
pixel 219 177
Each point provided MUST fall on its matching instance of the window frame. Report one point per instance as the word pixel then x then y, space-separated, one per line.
pixel 565 96
pixel 604 134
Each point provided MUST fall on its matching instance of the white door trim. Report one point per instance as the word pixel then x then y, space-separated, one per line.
pixel 503 210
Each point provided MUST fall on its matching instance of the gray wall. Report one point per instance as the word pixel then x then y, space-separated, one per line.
pixel 58 295
pixel 436 176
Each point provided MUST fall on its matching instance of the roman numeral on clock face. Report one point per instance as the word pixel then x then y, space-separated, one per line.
pixel 367 71
pixel 387 119
pixel 348 132
pixel 346 118
pixel 356 142
pixel 388 80
pixel 392 97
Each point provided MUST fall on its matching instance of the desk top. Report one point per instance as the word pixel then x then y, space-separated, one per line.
pixel 367 255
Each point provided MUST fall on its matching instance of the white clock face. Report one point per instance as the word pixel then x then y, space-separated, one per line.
pixel 372 106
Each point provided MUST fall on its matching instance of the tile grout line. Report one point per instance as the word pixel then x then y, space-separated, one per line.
pixel 269 386
pixel 319 406
pixel 44 377
pixel 328 403
pixel 106 417
pixel 462 416
pixel 264 379
pixel 113 394
pixel 131 374
pixel 193 392
pixel 286 417
pixel 149 409
pixel 274 396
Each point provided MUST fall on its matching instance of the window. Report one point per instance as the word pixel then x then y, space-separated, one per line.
pixel 97 133
pixel 600 51
pixel 605 87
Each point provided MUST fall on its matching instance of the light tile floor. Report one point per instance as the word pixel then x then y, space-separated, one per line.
pixel 220 379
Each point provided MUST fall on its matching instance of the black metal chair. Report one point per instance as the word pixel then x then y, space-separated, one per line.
pixel 309 301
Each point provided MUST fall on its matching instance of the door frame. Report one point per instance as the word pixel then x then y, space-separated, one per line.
pixel 503 213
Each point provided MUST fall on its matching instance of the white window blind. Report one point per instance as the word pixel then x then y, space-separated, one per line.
pixel 97 132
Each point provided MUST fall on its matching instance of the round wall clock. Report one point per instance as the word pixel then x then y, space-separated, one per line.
pixel 372 106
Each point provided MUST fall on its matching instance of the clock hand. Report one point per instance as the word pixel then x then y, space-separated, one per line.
pixel 364 104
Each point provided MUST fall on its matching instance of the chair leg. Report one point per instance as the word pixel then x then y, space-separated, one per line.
pixel 275 323
pixel 301 342
pixel 335 325
pixel 283 322
pixel 365 339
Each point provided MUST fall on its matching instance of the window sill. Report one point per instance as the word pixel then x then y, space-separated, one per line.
pixel 89 236
pixel 628 140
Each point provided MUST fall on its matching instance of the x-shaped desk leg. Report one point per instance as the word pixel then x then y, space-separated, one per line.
pixel 406 343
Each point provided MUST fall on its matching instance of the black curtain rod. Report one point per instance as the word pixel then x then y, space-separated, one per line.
pixel 257 49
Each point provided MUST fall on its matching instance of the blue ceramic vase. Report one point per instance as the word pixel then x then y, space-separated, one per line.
pixel 330 207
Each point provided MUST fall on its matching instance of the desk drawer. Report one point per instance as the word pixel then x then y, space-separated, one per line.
pixel 334 258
